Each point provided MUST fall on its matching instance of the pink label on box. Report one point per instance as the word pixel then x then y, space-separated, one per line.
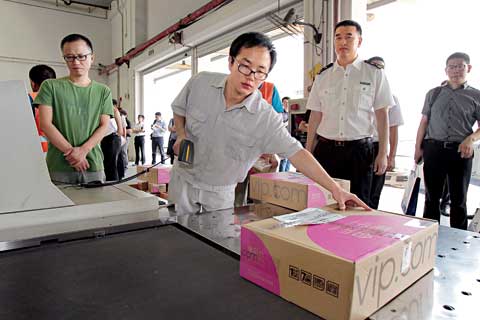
pixel 163 175
pixel 256 263
pixel 316 197
pixel 286 176
pixel 355 237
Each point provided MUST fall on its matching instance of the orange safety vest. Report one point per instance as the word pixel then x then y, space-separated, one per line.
pixel 267 91
pixel 41 134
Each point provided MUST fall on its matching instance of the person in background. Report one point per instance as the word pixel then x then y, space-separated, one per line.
pixel 122 156
pixel 219 113
pixel 445 139
pixel 37 75
pixel 112 144
pixel 139 141
pixel 128 135
pixel 270 93
pixel 74 115
pixel 171 139
pixel 159 128
pixel 345 98
pixel 395 119
pixel 284 163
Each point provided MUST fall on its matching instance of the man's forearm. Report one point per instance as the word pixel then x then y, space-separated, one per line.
pixel 179 125
pixel 304 162
pixel 382 129
pixel 393 141
pixel 422 129
pixel 96 137
pixel 56 138
pixel 313 123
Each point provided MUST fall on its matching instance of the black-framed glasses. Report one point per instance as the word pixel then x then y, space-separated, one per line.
pixel 459 67
pixel 79 57
pixel 245 70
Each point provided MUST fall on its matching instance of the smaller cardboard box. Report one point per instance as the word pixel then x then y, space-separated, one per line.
pixel 140 185
pixel 157 175
pixel 345 268
pixel 142 177
pixel 291 190
pixel 268 210
pixel 156 188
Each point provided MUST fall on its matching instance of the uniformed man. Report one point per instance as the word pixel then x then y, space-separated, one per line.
pixel 445 140
pixel 395 119
pixel 231 126
pixel 345 98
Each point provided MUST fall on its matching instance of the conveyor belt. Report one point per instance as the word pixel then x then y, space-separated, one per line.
pixel 158 273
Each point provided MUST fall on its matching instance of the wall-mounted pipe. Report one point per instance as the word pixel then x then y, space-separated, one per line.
pixel 165 33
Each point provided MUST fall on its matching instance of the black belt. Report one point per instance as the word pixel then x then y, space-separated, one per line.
pixel 338 143
pixel 444 144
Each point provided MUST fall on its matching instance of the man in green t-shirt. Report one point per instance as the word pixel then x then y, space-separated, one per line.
pixel 74 114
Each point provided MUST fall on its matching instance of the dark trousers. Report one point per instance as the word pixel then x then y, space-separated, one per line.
pixel 350 161
pixel 139 143
pixel 377 183
pixel 444 161
pixel 170 152
pixel 122 157
pixel 157 142
pixel 111 146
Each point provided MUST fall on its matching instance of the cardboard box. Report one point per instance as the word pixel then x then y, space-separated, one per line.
pixel 268 210
pixel 158 175
pixel 346 269
pixel 156 188
pixel 291 190
pixel 140 185
pixel 397 179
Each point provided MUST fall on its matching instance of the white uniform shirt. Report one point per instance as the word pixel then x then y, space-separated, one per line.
pixel 112 127
pixel 348 99
pixel 395 117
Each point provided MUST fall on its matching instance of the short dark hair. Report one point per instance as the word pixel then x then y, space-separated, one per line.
pixel 158 113
pixel 76 37
pixel 250 40
pixel 459 55
pixel 288 98
pixel 123 112
pixel 141 115
pixel 40 73
pixel 349 23
pixel 114 102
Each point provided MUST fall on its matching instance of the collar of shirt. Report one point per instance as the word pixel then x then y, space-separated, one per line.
pixel 357 64
pixel 463 86
pixel 251 103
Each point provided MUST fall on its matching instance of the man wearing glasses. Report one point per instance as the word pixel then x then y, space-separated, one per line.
pixel 445 140
pixel 231 126
pixel 74 114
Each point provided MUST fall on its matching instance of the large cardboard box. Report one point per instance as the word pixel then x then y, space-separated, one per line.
pixel 291 190
pixel 344 269
pixel 157 175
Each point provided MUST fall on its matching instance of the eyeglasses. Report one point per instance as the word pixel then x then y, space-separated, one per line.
pixel 79 57
pixel 459 67
pixel 245 70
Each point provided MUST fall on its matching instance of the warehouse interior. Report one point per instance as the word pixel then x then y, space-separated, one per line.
pixel 122 248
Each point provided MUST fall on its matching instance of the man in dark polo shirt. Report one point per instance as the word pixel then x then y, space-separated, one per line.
pixel 445 140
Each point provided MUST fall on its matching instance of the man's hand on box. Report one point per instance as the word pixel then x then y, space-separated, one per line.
pixel 346 199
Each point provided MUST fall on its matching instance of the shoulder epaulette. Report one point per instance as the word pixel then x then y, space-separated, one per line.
pixel 325 68
pixel 372 64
